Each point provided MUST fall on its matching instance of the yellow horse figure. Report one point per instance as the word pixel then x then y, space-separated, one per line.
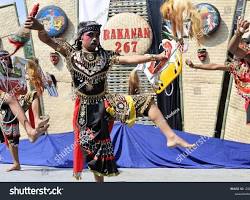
pixel 170 72
pixel 183 21
pixel 162 74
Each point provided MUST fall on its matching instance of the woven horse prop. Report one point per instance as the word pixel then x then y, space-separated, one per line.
pixel 182 21
pixel 162 74
pixel 12 80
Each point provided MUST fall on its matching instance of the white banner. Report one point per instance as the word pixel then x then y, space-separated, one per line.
pixel 94 10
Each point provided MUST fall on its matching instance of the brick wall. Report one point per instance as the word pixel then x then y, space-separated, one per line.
pixel 60 109
pixel 201 89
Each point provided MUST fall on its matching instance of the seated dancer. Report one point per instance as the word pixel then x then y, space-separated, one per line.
pixel 10 105
pixel 88 64
pixel 239 66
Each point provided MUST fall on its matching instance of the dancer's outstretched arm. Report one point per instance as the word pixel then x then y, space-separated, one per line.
pixel 210 66
pixel 233 47
pixel 34 24
pixel 137 59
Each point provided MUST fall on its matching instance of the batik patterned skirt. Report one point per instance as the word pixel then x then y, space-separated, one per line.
pixel 95 124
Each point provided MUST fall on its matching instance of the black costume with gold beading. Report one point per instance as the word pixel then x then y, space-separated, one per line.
pixel 97 108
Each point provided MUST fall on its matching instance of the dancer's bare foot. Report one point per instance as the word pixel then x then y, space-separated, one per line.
pixel 14 167
pixel 177 141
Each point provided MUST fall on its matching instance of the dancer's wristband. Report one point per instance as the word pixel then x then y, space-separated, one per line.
pixel 42 30
pixel 153 57
pixel 238 33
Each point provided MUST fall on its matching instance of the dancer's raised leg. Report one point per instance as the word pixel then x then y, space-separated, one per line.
pixel 172 139
pixel 18 111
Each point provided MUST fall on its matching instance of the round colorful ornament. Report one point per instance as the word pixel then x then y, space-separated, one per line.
pixel 54 20
pixel 210 17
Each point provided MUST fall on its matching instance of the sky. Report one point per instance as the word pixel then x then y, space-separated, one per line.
pixel 21 10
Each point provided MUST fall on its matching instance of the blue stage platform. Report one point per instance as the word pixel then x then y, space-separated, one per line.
pixel 141 146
